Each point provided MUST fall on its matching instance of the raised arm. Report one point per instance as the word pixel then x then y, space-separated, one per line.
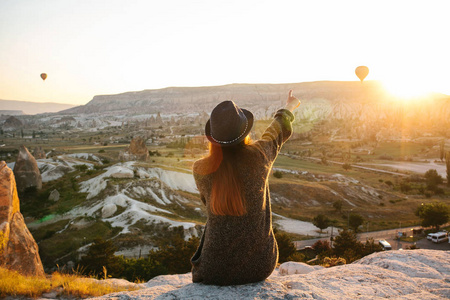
pixel 280 129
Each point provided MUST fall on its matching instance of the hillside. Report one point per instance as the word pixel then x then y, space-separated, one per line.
pixel 321 100
pixel 33 108
pixel 253 96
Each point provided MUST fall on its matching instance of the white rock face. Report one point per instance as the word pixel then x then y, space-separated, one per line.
pixel 121 173
pixel 411 274
pixel 54 196
pixel 108 210
pixel 292 267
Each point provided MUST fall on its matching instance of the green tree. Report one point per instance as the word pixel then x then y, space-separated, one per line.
pixel 99 255
pixel 321 246
pixel 347 246
pixel 286 247
pixel 175 253
pixel 355 220
pixel 447 163
pixel 432 179
pixel 321 221
pixel 141 269
pixel 370 247
pixel 442 149
pixel 337 205
pixel 433 214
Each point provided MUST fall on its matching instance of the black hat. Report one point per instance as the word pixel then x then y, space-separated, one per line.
pixel 228 124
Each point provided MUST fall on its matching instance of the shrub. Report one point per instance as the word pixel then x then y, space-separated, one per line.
pixel 405 187
pixel 433 179
pixel 297 256
pixel 285 247
pixel 277 174
pixel 337 205
pixel 81 168
pixel 321 246
pixel 141 269
pixel 386 157
pixel 101 255
pixel 347 166
pixel 333 261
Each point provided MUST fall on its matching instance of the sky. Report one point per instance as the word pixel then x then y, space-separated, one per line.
pixel 94 47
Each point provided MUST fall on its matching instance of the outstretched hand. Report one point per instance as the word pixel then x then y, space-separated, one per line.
pixel 292 102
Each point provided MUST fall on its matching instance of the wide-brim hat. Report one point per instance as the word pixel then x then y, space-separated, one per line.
pixel 228 124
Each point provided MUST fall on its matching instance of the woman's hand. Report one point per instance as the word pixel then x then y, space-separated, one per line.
pixel 292 102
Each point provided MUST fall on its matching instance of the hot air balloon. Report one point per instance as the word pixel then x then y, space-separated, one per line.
pixel 361 72
pixel 43 76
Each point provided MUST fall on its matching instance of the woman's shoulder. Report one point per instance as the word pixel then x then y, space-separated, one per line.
pixel 200 166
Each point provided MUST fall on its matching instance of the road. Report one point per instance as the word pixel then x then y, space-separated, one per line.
pixel 353 165
pixel 388 235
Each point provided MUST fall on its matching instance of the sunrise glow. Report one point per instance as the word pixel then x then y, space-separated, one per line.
pixel 406 90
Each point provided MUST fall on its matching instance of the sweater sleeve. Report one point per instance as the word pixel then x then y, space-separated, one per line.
pixel 197 178
pixel 276 134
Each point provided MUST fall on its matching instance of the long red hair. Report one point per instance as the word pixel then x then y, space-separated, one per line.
pixel 227 197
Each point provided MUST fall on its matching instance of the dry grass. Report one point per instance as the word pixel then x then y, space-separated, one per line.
pixel 14 284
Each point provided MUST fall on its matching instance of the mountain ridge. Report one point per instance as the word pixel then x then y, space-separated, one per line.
pixel 252 96
pixel 33 108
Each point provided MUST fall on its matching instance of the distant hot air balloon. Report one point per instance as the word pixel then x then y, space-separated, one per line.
pixel 361 72
pixel 43 76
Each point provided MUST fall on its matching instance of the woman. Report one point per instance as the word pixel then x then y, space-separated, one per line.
pixel 238 245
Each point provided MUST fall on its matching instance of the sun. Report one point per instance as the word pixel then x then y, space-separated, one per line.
pixel 407 89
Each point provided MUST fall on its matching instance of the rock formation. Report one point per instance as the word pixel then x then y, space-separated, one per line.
pixel 39 153
pixel 19 250
pixel 409 274
pixel 12 123
pixel 26 171
pixel 136 151
pixel 54 196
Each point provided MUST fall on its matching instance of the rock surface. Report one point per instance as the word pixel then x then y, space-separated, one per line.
pixel 54 196
pixel 26 171
pixel 412 274
pixel 39 153
pixel 12 123
pixel 136 151
pixel 19 249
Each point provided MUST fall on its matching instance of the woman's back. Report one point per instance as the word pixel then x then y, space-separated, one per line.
pixel 238 245
pixel 243 248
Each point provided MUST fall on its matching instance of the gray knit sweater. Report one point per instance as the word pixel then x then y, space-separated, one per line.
pixel 242 249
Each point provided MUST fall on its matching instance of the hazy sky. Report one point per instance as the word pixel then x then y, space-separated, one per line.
pixel 92 47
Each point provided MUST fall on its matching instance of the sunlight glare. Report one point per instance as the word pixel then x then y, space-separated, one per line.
pixel 407 89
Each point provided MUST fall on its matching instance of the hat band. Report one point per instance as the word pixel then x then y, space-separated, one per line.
pixel 228 142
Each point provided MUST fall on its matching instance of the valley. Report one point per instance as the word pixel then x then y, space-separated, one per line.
pixel 351 145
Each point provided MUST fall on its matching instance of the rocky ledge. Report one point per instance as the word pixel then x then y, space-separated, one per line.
pixel 411 274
